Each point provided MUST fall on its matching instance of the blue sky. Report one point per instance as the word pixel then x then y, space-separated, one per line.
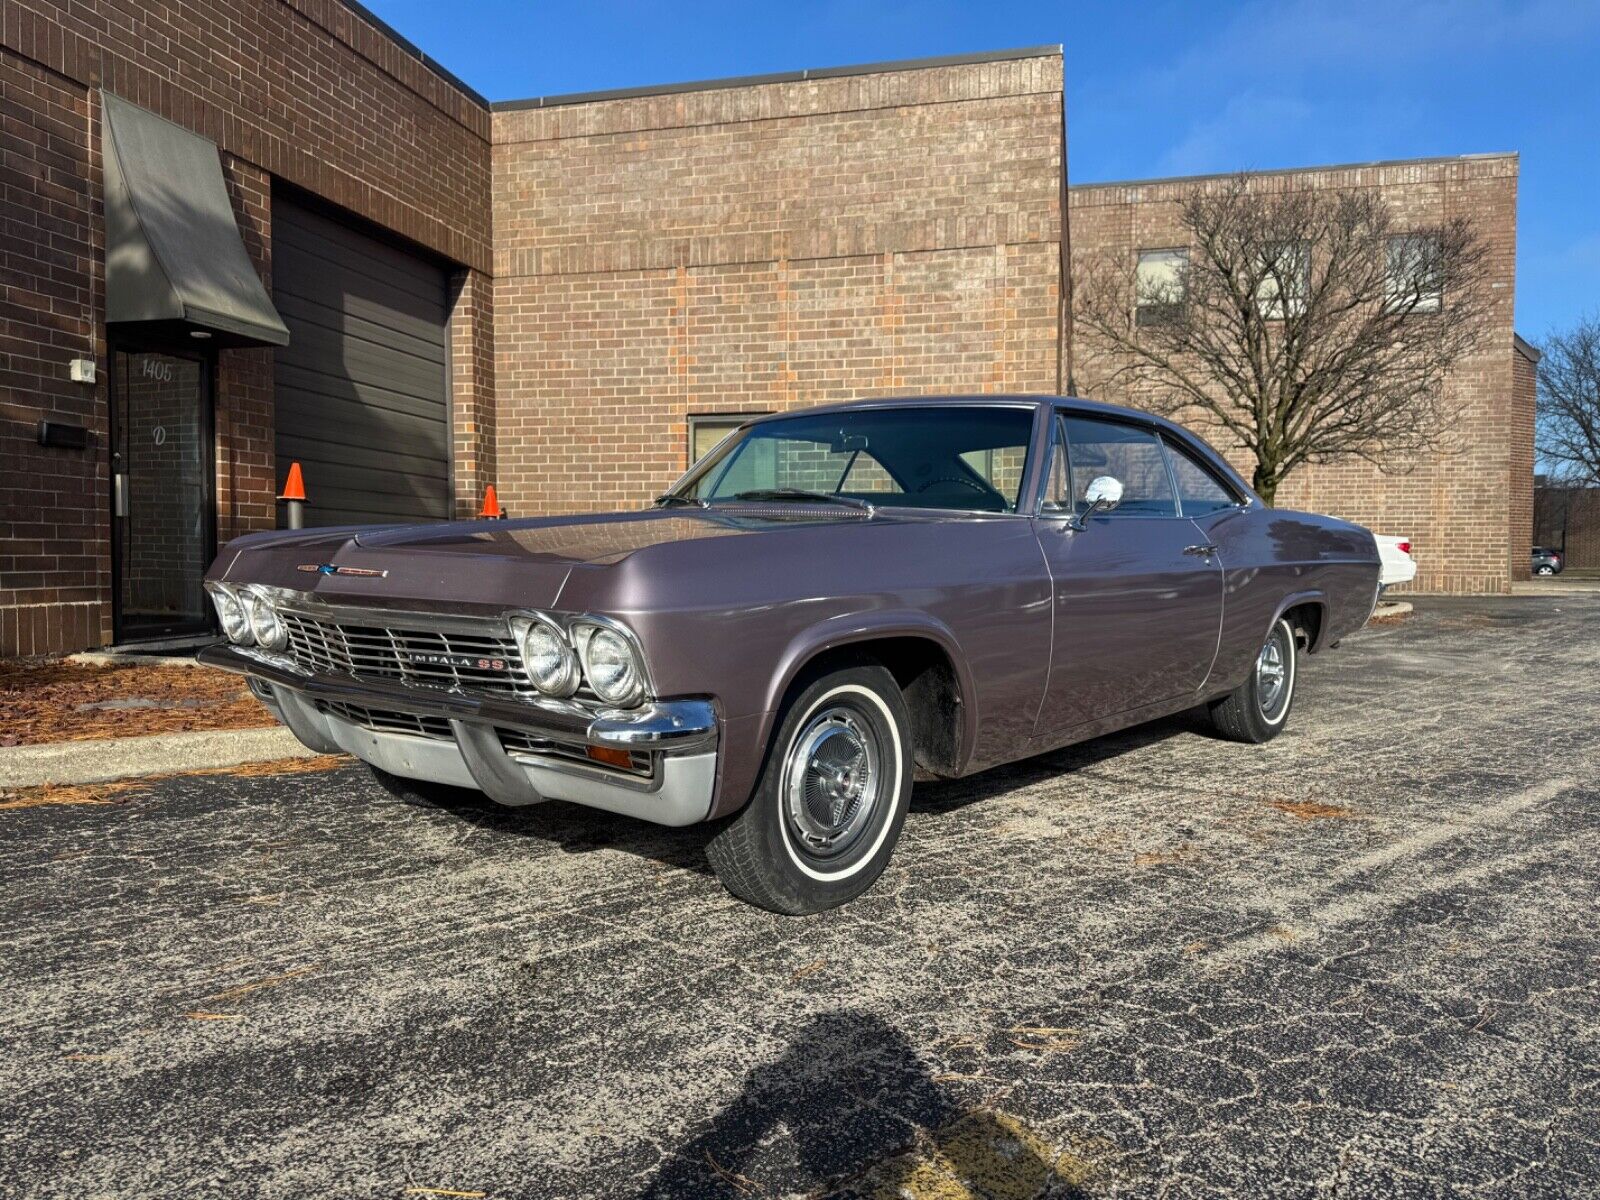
pixel 1153 89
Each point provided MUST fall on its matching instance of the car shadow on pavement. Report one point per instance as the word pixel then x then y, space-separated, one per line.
pixel 850 1108
pixel 950 795
pixel 569 827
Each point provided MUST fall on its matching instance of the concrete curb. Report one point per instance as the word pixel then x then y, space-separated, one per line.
pixel 104 759
pixel 110 658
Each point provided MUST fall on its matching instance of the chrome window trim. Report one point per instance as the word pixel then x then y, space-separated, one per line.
pixel 1027 484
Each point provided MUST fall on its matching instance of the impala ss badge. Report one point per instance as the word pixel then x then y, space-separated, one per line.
pixel 330 569
pixel 459 661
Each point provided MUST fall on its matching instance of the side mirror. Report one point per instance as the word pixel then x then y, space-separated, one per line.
pixel 1104 493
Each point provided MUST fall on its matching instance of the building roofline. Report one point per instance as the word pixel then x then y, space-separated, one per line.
pixel 1347 166
pixel 411 48
pixel 737 81
pixel 1526 348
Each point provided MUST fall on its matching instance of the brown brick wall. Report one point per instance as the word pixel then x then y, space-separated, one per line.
pixel 1519 488
pixel 246 472
pixel 55 554
pixel 304 91
pixel 307 90
pixel 1466 507
pixel 1568 520
pixel 472 387
pixel 761 247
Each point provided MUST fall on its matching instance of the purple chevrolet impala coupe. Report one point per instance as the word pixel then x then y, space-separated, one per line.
pixel 830 604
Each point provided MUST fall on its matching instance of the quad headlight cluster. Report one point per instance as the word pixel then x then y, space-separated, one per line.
pixel 558 660
pixel 248 615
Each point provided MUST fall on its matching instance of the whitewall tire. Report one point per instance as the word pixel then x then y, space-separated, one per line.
pixel 831 799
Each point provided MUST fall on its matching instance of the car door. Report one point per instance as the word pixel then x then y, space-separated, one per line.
pixel 1138 589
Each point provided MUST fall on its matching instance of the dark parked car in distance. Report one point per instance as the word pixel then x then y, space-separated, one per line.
pixel 831 603
pixel 1546 561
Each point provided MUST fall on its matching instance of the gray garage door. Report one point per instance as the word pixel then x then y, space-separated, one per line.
pixel 362 394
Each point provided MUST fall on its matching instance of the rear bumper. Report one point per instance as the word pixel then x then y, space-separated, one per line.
pixel 679 736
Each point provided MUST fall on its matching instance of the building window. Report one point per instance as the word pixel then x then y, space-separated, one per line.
pixel 1159 284
pixel 1413 273
pixel 1285 281
pixel 706 430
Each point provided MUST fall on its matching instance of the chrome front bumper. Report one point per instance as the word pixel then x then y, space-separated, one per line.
pixel 680 735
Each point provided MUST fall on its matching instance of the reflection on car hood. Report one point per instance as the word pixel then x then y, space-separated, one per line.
pixel 595 539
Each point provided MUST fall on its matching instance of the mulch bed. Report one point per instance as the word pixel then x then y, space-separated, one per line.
pixel 52 700
pixel 125 791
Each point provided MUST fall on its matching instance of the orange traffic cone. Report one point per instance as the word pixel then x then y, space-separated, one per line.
pixel 294 497
pixel 491 505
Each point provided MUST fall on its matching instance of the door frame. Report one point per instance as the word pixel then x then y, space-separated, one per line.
pixel 207 358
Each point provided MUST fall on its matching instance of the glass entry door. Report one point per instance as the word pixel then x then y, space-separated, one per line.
pixel 162 514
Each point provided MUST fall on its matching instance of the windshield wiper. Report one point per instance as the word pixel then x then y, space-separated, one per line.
pixel 804 494
pixel 672 498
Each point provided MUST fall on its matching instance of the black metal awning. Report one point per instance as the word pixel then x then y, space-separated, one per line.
pixel 175 263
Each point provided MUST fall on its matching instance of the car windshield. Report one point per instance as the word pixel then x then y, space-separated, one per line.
pixel 939 456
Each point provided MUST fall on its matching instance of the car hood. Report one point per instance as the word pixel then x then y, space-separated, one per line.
pixel 490 564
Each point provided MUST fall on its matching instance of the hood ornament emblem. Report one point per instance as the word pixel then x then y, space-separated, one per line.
pixel 330 569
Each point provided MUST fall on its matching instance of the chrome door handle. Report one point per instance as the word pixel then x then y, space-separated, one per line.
pixel 1206 551
pixel 119 494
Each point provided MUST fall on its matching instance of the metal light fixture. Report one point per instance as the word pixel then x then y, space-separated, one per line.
pixel 546 655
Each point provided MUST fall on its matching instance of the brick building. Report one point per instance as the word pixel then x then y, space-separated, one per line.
pixel 1468 508
pixel 569 297
pixel 309 103
pixel 668 258
pixel 1566 519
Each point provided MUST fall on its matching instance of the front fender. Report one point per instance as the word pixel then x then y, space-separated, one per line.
pixel 847 629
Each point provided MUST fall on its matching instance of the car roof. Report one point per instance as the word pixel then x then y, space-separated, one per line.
pixel 1030 400
pixel 982 400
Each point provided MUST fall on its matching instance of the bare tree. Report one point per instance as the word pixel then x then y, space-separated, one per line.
pixel 1308 324
pixel 1569 405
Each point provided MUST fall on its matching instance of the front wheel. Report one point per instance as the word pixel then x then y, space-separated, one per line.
pixel 1258 709
pixel 831 800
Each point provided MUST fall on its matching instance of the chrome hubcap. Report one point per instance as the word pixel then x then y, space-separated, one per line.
pixel 832 781
pixel 1272 675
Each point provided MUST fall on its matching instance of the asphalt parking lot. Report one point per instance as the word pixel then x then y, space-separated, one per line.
pixel 1361 960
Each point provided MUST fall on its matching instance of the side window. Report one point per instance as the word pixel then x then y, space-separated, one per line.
pixel 1129 454
pixel 1058 483
pixel 1199 491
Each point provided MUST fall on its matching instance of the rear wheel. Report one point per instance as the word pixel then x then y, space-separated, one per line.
pixel 1258 709
pixel 1544 569
pixel 831 800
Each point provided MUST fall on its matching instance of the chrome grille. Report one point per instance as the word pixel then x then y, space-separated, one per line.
pixel 485 662
pixel 383 720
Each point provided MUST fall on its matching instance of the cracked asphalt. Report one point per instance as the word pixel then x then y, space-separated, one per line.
pixel 1361 960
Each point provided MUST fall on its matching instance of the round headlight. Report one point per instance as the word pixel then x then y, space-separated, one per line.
pixel 269 631
pixel 231 616
pixel 548 659
pixel 611 667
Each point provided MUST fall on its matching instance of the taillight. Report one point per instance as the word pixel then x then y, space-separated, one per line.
pixel 1403 547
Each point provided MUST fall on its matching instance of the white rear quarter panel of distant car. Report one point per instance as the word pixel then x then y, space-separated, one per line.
pixel 1398 567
